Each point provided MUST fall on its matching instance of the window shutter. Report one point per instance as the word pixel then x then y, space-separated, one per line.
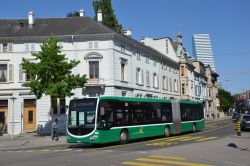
pixel 142 76
pixel 157 81
pixel 137 76
pixel 32 47
pixel 153 80
pixel 26 47
pixel 20 73
pixel 95 44
pixel 11 72
pixel 10 47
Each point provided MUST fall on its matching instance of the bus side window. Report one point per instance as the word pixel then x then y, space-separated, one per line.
pixel 147 113
pixel 156 112
pixel 166 113
pixel 119 117
pixel 138 116
pixel 106 114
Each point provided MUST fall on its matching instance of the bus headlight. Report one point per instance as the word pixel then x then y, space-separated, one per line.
pixel 93 137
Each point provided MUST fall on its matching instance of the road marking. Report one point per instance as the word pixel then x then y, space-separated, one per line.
pixel 177 138
pixel 192 138
pixel 171 162
pixel 161 144
pixel 141 164
pixel 44 150
pixel 79 150
pixel 181 139
pixel 211 126
pixel 206 139
pixel 168 157
pixel 56 150
pixel 67 150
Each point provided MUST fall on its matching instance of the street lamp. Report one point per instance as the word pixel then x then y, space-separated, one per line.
pixel 13 99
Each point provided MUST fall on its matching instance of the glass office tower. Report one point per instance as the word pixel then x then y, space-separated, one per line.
pixel 202 49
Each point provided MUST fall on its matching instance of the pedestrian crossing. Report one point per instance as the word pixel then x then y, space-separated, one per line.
pixel 179 139
pixel 159 160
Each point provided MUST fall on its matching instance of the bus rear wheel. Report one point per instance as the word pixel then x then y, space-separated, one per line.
pixel 124 137
pixel 167 131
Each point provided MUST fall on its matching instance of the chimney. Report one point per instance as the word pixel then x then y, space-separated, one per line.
pixel 31 19
pixel 81 13
pixel 128 32
pixel 99 15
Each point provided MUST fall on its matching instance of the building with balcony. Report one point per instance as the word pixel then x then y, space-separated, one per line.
pixel 213 103
pixel 115 65
pixel 200 83
pixel 186 71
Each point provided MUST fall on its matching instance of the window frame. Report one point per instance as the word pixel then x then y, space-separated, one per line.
pixel 94 67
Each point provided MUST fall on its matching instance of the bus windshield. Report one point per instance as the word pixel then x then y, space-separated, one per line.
pixel 81 119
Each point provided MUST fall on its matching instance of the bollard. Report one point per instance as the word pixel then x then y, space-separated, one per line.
pixel 238 128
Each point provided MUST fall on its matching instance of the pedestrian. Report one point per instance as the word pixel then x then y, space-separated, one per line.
pixel 213 116
pixel 54 131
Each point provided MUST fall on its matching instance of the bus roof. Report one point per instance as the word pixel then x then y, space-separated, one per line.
pixel 190 102
pixel 134 99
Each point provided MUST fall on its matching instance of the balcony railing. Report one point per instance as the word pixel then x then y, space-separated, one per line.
pixel 96 81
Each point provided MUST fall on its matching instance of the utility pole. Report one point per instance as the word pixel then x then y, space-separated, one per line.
pixel 13 99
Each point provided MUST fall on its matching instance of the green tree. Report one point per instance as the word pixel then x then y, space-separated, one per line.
pixel 73 14
pixel 109 17
pixel 51 74
pixel 226 99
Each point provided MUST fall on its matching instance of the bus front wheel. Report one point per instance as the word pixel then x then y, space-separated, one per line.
pixel 167 131
pixel 124 137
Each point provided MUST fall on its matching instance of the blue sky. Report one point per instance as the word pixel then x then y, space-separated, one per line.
pixel 227 21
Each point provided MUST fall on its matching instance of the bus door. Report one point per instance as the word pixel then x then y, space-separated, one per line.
pixel 176 116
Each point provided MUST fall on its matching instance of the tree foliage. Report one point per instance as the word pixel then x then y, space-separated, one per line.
pixel 109 17
pixel 73 14
pixel 51 73
pixel 226 99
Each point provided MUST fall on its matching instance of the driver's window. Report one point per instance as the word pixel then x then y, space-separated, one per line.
pixel 90 117
pixel 73 118
pixel 81 118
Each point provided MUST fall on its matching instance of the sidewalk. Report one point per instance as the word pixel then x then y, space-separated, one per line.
pixel 218 119
pixel 29 140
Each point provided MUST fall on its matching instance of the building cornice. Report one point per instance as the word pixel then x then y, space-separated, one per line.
pixel 69 38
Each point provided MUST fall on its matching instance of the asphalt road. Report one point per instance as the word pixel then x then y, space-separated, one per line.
pixel 150 152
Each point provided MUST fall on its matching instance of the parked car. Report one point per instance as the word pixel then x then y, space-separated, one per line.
pixel 245 122
pixel 236 116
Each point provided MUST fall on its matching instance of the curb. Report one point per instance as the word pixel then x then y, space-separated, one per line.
pixel 33 147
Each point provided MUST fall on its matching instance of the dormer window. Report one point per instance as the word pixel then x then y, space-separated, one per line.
pixel 7 47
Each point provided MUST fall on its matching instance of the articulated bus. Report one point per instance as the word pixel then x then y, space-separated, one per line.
pixel 120 119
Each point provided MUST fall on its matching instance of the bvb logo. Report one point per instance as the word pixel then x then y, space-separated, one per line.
pixel 141 130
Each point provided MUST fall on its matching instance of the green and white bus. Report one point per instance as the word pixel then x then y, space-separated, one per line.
pixel 120 119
